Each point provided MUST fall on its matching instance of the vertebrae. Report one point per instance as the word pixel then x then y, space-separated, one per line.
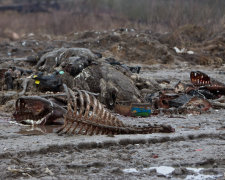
pixel 87 116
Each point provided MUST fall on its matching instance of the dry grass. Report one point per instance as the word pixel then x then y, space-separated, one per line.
pixel 156 15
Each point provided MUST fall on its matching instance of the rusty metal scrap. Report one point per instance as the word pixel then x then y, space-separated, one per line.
pixel 87 116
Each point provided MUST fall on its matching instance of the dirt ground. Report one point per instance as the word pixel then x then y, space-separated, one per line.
pixel 195 151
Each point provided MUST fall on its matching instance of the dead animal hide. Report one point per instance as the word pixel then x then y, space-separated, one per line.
pixel 108 93
pixel 35 110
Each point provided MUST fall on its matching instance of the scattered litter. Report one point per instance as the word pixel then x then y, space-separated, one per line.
pixel 165 170
pixel 190 52
pixel 196 170
pixel 198 149
pixel 24 43
pixel 140 111
pixel 202 177
pixel 155 156
pixel 131 170
pixel 48 171
pixel 199 176
pixel 16 123
pixel 37 82
pixel 22 171
pixel 133 109
pixel 182 51
pixel 26 174
pixel 179 51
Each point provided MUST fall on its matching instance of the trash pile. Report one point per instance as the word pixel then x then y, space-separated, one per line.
pixel 53 85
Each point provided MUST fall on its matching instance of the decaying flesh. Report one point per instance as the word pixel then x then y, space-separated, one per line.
pixel 183 104
pixel 190 98
pixel 36 110
pixel 86 115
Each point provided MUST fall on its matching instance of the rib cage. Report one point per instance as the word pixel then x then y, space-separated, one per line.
pixel 87 116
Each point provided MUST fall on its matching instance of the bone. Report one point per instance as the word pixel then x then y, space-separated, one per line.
pixel 37 110
pixel 87 116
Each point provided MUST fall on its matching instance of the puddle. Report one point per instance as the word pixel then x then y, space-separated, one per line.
pixel 28 129
pixel 38 130
pixel 6 120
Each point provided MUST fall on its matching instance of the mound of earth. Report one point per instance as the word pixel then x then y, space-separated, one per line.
pixel 128 45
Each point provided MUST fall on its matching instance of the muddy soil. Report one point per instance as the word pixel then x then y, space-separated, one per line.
pixel 195 151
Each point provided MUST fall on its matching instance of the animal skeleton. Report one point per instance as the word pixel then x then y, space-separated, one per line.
pixel 87 116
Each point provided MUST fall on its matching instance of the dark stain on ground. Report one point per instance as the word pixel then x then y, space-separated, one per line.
pixel 38 130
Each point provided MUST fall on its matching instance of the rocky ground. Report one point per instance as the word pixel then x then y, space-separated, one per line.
pixel 195 151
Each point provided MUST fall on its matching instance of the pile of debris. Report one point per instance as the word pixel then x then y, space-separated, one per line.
pixel 194 45
pixel 74 86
